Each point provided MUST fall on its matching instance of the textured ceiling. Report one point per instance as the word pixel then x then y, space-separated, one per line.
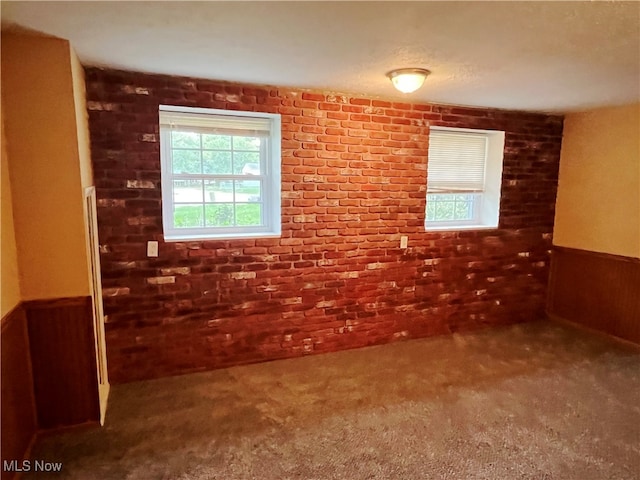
pixel 541 56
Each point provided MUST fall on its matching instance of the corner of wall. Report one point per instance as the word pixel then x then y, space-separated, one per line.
pixel 82 119
pixel 10 280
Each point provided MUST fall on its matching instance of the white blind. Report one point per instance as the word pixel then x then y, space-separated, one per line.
pixel 456 161
pixel 216 124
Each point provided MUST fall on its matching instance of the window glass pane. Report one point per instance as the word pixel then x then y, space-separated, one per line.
pixel 216 142
pixel 444 210
pixel 219 214
pixel 216 162
pixel 246 143
pixel 248 191
pixel 186 161
pixel 219 191
pixel 210 189
pixel 463 211
pixel 248 214
pixel 187 191
pixel 185 139
pixel 431 208
pixel 246 163
pixel 188 216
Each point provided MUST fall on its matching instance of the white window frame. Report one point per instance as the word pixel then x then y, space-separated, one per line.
pixel 270 176
pixel 486 213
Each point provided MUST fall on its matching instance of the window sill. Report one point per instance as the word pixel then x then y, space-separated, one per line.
pixel 455 228
pixel 225 236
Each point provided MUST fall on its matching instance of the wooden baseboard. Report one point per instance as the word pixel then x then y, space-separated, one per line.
pixel 592 331
pixel 597 290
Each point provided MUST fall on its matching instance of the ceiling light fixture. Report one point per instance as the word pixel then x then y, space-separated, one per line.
pixel 408 80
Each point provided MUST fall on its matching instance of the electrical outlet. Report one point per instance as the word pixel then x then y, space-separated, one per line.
pixel 152 249
pixel 404 240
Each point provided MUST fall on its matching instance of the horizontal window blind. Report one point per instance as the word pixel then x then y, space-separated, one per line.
pixel 456 161
pixel 216 124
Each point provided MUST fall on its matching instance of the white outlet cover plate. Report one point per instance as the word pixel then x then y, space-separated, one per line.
pixel 152 249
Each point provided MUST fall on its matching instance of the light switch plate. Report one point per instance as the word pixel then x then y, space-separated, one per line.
pixel 404 240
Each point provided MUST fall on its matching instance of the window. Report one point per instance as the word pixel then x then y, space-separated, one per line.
pixel 220 173
pixel 464 176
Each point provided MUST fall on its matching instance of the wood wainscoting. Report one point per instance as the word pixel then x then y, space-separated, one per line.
pixel 64 361
pixel 19 424
pixel 49 376
pixel 597 290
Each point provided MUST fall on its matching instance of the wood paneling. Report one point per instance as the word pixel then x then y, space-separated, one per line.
pixel 598 290
pixel 63 359
pixel 18 402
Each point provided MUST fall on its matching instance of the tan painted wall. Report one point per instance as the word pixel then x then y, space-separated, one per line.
pixel 9 282
pixel 598 205
pixel 42 145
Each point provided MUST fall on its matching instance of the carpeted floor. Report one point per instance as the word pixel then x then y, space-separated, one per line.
pixel 532 401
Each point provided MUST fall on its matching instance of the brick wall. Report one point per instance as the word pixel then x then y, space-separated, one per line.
pixel 353 181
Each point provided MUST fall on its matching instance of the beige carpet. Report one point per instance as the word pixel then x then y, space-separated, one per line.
pixel 535 401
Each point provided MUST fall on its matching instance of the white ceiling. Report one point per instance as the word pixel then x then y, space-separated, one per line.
pixel 540 56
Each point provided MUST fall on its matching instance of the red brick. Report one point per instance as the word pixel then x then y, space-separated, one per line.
pixel 329 106
pixel 360 101
pixel 316 97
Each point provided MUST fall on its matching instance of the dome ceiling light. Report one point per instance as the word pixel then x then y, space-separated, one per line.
pixel 408 80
